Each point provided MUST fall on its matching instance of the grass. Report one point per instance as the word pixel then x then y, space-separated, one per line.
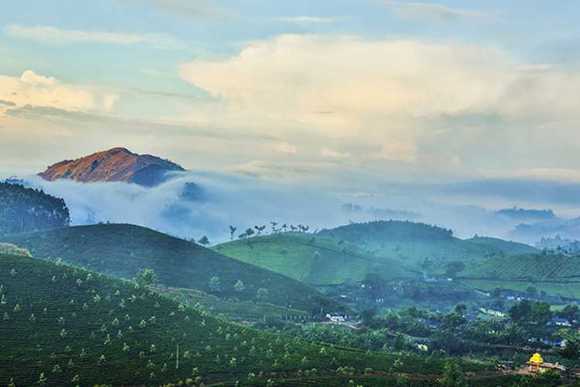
pixel 122 250
pixel 67 326
pixel 313 259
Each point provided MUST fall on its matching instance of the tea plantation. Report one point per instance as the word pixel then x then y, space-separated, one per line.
pixel 67 326
pixel 122 250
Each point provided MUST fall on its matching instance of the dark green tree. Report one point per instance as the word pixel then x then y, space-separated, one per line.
pixel 146 277
pixel 204 241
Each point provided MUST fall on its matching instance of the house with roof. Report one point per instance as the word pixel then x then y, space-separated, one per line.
pixel 560 322
pixel 537 365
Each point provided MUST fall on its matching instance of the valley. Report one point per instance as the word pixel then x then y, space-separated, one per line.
pixel 374 303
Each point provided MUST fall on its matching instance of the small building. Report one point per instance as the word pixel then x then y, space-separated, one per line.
pixel 537 365
pixel 336 318
pixel 560 322
pixel 492 313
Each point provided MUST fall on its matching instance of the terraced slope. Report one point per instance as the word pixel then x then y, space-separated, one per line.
pixel 122 250
pixel 507 247
pixel 312 259
pixel 531 267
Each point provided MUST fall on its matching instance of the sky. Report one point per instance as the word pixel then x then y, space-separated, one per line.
pixel 350 96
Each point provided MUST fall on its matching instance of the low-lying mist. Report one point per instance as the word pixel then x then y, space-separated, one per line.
pixel 194 204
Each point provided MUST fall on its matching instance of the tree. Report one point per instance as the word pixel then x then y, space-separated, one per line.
pixel 532 291
pixel 530 313
pixel 571 349
pixel 146 277
pixel 262 294
pixel 368 316
pixel 454 268
pixel 25 209
pixel 452 375
pixel 239 286
pixel 232 232
pixel 246 234
pixel 204 241
pixel 570 312
pixel 399 343
pixel 215 284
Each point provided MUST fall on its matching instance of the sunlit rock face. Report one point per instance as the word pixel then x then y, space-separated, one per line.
pixel 117 164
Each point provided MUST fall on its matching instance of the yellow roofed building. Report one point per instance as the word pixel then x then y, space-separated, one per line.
pixel 536 365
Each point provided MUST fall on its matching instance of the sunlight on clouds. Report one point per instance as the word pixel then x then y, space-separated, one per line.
pixel 32 89
pixel 286 148
pixel 333 154
pixel 393 94
pixel 347 87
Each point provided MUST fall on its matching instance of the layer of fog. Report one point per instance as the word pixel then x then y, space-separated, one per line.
pixel 192 205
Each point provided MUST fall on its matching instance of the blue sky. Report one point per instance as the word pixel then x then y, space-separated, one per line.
pixel 306 91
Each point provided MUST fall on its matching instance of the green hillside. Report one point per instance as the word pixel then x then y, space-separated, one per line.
pixel 66 326
pixel 530 267
pixel 122 250
pixel 312 259
pixel 416 243
pixel 27 209
pixel 507 247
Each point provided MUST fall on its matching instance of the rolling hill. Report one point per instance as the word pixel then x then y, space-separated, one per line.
pixel 68 326
pixel 122 250
pixel 507 247
pixel 313 259
pixel 416 243
pixel 117 164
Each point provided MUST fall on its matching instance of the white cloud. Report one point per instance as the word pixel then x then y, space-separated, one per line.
pixel 286 148
pixel 349 88
pixel 305 20
pixel 433 11
pixel 333 154
pixel 32 89
pixel 31 78
pixel 419 102
pixel 199 9
pixel 54 35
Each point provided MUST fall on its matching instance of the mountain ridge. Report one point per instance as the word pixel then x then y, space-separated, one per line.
pixel 117 164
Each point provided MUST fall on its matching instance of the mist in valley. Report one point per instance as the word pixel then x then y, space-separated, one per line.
pixel 195 204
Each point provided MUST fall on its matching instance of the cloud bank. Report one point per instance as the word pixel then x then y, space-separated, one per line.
pixel 195 204
pixel 437 107
pixel 225 200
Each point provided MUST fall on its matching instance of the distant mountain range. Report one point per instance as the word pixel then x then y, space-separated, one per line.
pixel 117 164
